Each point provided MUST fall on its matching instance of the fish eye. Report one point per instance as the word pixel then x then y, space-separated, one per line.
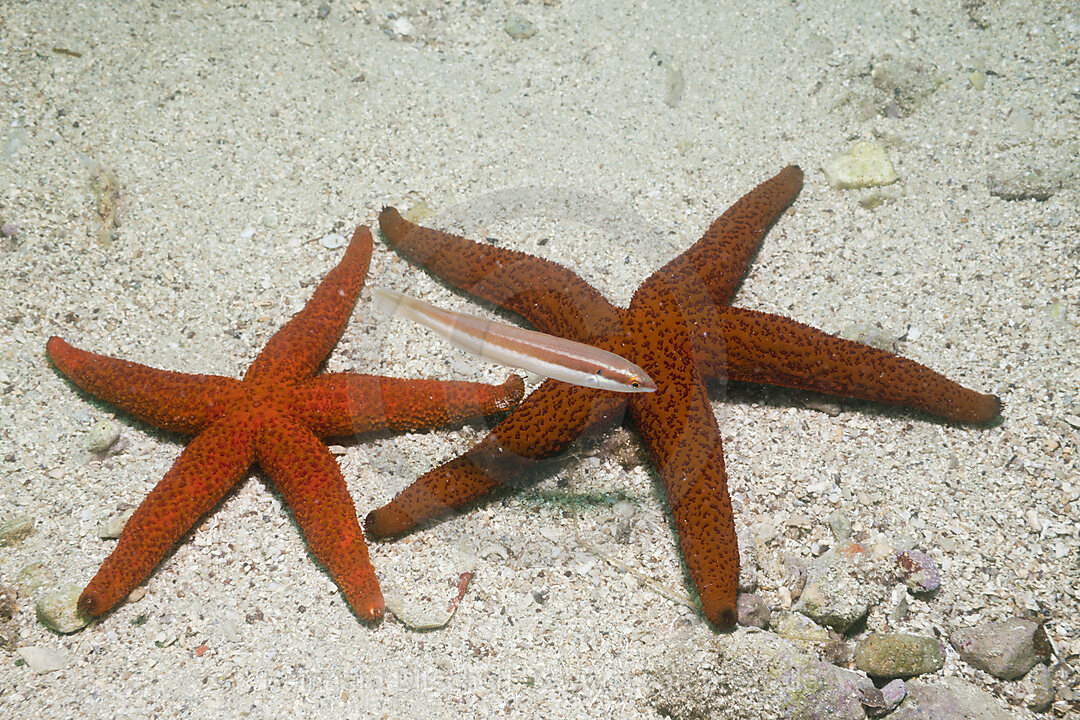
pixel 635 384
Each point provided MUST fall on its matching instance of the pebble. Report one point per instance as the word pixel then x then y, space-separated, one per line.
pixel 748 561
pixel 750 675
pixel 519 27
pixel 753 612
pixel 766 533
pixel 893 692
pixel 675 84
pixel 1033 520
pixel 841 586
pixel 493 550
pixel 1006 650
pixel 114 525
pixel 103 436
pixel 33 576
pixel 1038 689
pixel 418 617
pixel 794 625
pixel 879 702
pixel 898 605
pixel 16 530
pixel 59 610
pixel 800 520
pixel 794 575
pixel 949 699
pixel 898 655
pixel 1022 120
pixel 419 212
pixel 918 571
pixel 42 660
pixel 1026 184
pixel 871 334
pixel 332 241
pixel 865 164
pixel 231 630
pixel 905 83
pixel 839 526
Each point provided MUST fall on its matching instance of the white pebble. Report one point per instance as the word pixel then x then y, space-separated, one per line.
pixel 402 27
pixel 332 241
pixel 42 660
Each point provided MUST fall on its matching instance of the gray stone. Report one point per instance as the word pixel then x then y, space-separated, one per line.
pixel 839 526
pixel 59 610
pixel 841 586
pixel 749 676
pixel 753 612
pixel 1006 650
pixel 898 655
pixel 748 561
pixel 881 702
pixel 1038 689
pixel 519 27
pixel 949 699
pixel 103 436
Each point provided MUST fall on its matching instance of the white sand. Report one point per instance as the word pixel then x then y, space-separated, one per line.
pixel 238 137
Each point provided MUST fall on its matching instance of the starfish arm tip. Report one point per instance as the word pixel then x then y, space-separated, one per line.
pixel 515 390
pixel 91 603
pixel 723 617
pixel 55 347
pixel 372 610
pixel 989 409
pixel 375 527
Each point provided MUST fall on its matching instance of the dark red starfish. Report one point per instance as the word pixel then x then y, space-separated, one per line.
pixel 681 329
pixel 274 416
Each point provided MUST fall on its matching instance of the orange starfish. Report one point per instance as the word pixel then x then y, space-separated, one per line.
pixel 681 329
pixel 274 416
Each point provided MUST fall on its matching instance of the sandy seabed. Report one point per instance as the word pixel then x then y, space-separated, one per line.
pixel 169 173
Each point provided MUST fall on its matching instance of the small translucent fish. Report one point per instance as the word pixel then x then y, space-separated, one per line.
pixel 506 344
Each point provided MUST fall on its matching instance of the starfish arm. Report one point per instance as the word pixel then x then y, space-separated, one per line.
pixel 172 401
pixel 300 346
pixel 711 269
pixel 678 426
pixel 314 489
pixel 211 464
pixel 554 299
pixel 548 422
pixel 341 404
pixel 759 347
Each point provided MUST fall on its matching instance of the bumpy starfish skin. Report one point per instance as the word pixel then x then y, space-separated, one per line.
pixel 275 417
pixel 682 331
